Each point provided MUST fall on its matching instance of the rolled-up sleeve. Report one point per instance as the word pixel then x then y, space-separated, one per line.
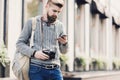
pixel 63 47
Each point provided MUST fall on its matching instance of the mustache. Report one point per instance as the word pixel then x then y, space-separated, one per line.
pixel 52 18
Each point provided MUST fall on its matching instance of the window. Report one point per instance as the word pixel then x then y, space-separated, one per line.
pixel 5 23
pixel 32 8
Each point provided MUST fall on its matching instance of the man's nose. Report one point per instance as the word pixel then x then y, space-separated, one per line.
pixel 56 13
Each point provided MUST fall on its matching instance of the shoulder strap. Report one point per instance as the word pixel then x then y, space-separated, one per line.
pixel 33 30
pixel 33 23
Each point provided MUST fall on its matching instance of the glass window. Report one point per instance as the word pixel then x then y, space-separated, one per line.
pixel 117 43
pixel 102 38
pixel 5 23
pixel 33 8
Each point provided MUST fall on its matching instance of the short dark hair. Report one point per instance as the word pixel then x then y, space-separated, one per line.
pixel 60 5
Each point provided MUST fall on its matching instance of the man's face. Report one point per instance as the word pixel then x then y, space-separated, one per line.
pixel 52 12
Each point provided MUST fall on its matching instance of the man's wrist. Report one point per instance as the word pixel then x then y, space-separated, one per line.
pixel 34 53
pixel 65 44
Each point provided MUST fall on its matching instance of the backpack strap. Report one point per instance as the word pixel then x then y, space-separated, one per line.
pixel 33 30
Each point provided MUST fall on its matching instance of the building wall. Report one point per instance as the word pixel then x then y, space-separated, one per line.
pixel 89 36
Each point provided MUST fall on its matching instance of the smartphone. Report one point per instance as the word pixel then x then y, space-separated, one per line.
pixel 63 36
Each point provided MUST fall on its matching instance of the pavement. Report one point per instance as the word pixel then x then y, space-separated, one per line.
pixel 91 75
pixel 8 79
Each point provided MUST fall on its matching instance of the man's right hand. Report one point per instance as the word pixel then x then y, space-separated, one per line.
pixel 40 55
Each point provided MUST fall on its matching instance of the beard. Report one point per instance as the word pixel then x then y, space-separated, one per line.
pixel 51 19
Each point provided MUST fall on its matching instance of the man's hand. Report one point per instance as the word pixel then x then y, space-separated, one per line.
pixel 62 39
pixel 41 55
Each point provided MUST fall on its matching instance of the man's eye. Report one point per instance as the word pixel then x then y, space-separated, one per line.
pixel 54 11
pixel 58 11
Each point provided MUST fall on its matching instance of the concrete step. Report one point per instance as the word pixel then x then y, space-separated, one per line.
pixel 8 79
pixel 93 75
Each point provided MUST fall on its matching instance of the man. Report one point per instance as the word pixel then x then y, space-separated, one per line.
pixel 49 40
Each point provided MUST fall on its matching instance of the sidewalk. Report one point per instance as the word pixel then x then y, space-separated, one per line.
pixel 92 75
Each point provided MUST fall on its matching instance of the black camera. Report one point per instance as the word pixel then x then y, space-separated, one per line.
pixel 51 54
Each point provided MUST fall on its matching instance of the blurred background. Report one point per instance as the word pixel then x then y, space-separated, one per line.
pixel 93 28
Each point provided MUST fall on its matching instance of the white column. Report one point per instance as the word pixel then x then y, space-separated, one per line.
pixel 71 33
pixel 109 43
pixel 1 20
pixel 64 14
pixel 87 34
pixel 96 41
pixel 14 25
pixel 109 38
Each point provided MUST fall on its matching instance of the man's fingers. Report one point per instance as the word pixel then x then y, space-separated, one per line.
pixel 46 56
pixel 61 40
pixel 42 56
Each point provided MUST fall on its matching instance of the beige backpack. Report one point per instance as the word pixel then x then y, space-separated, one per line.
pixel 20 65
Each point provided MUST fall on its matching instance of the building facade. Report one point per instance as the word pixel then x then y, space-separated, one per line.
pixel 92 27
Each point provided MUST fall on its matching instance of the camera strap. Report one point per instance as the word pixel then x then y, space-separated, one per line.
pixel 41 30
